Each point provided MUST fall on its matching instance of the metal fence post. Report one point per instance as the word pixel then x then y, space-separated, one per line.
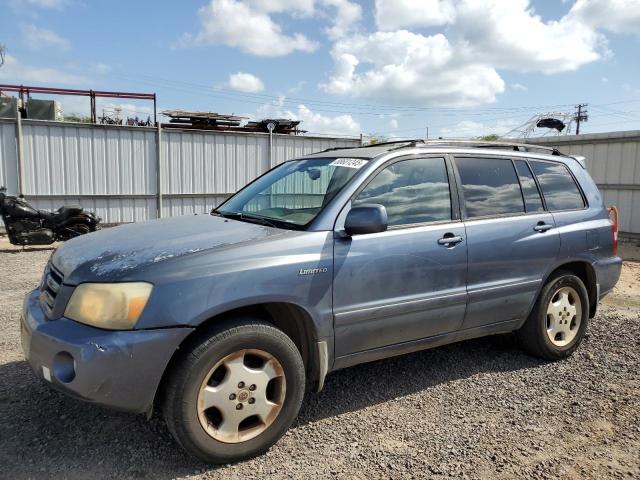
pixel 19 150
pixel 159 169
pixel 270 127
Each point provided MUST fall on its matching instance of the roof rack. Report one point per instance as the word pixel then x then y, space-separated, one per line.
pixel 398 144
pixel 518 147
pixel 410 143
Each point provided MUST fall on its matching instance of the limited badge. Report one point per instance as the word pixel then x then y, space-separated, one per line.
pixel 349 162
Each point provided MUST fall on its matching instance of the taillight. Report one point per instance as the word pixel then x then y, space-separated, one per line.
pixel 613 212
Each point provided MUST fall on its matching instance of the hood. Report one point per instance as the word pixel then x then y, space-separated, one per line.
pixel 113 253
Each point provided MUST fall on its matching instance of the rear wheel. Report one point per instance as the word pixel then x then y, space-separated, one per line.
pixel 558 321
pixel 235 392
pixel 76 229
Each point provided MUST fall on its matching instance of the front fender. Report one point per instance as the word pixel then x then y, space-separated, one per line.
pixel 192 289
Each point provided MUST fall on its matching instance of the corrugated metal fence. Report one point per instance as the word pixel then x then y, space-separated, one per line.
pixel 113 170
pixel 613 160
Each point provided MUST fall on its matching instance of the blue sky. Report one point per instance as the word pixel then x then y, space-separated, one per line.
pixel 389 67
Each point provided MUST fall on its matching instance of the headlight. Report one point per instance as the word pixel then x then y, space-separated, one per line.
pixel 113 306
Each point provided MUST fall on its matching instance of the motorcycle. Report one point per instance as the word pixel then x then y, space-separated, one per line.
pixel 27 225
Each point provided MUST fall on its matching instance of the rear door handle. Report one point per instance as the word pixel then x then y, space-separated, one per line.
pixel 542 227
pixel 449 240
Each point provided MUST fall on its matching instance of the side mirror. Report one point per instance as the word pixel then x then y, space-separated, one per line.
pixel 363 219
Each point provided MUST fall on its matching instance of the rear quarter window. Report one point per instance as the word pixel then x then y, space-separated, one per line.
pixel 558 186
pixel 490 187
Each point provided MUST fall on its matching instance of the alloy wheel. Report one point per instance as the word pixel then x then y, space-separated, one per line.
pixel 564 315
pixel 241 396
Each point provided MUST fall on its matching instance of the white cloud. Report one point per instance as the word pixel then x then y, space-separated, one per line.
pixel 14 71
pixel 311 121
pixel 393 124
pixel 618 16
pixel 39 3
pixel 40 38
pixel 302 7
pixel 101 68
pixel 249 26
pixel 233 23
pixel 346 16
pixel 519 86
pixel 510 35
pixel 471 129
pixel 461 68
pixel 317 123
pixel 397 14
pixel 245 82
pixel 405 67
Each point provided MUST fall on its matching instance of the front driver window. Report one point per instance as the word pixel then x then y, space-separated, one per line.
pixel 413 191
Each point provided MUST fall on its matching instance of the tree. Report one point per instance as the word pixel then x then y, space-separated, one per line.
pixel 74 117
pixel 492 137
pixel 3 52
pixel 373 139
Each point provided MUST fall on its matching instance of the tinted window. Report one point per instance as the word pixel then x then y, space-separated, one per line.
pixel 412 191
pixel 532 200
pixel 490 186
pixel 558 187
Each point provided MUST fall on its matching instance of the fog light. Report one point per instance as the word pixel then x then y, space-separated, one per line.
pixel 63 367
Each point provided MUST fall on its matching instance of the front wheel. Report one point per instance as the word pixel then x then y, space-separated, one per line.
pixel 235 392
pixel 559 318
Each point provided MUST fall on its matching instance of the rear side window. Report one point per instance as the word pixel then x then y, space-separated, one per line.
pixel 558 186
pixel 412 191
pixel 530 193
pixel 490 187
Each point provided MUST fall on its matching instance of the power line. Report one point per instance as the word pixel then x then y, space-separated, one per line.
pixel 383 109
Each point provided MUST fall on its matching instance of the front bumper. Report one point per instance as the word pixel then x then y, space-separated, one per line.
pixel 118 369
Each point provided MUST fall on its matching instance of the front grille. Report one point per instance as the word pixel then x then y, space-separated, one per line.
pixel 50 289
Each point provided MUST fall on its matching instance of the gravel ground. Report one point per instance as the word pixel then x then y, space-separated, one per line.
pixel 478 409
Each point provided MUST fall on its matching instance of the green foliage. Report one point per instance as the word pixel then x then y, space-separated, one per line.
pixel 492 137
pixel 73 117
pixel 373 139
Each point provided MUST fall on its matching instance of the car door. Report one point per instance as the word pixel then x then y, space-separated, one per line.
pixel 408 282
pixel 511 238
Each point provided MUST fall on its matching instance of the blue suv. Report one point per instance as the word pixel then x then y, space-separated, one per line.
pixel 222 320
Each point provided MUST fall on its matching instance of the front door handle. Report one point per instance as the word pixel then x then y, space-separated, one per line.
pixel 449 240
pixel 542 227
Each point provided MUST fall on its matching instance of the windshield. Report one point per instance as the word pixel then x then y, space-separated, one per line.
pixel 292 194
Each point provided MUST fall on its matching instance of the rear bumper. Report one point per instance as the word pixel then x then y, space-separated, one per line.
pixel 118 369
pixel 607 274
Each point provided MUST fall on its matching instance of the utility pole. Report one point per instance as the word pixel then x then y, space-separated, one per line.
pixel 581 116
pixel 427 133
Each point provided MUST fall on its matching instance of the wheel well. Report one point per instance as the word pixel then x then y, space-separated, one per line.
pixel 294 321
pixel 585 272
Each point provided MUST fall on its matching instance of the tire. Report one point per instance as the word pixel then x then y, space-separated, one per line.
pixel 237 347
pixel 557 320
pixel 79 227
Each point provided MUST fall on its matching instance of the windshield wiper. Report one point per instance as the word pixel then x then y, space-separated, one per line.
pixel 258 219
pixel 234 215
pixel 247 217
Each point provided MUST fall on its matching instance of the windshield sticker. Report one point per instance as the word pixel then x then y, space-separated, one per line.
pixel 349 162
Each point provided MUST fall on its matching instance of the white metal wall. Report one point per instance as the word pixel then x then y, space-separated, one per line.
pixel 113 169
pixel 9 157
pixel 613 160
